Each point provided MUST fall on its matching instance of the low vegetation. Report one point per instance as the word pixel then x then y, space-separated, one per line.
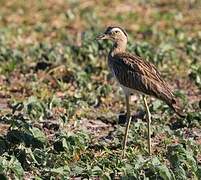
pixel 61 111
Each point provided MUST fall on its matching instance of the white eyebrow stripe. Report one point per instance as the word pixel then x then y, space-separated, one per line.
pixel 116 29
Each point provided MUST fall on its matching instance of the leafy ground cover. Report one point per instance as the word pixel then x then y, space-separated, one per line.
pixel 60 110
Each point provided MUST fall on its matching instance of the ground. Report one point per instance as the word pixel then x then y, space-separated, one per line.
pixel 61 112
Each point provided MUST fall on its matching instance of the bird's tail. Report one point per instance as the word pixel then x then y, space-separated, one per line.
pixel 175 105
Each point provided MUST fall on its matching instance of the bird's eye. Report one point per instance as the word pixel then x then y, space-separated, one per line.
pixel 116 32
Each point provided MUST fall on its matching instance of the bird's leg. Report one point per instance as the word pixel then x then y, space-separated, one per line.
pixel 148 117
pixel 128 120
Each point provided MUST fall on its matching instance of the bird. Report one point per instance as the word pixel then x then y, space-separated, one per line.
pixel 136 75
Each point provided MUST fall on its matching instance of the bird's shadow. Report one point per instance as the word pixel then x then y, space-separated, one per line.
pixel 138 115
pixel 112 133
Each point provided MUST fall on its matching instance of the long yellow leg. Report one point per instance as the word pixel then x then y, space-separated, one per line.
pixel 148 117
pixel 128 120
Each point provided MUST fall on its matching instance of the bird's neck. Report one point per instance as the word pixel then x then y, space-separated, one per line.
pixel 118 47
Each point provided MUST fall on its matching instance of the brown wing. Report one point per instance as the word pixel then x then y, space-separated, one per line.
pixel 135 73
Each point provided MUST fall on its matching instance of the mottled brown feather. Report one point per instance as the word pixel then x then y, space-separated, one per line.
pixel 135 73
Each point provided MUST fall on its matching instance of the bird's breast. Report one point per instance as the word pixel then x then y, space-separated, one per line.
pixel 128 91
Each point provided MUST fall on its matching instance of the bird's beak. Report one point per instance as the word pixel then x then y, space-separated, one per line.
pixel 102 36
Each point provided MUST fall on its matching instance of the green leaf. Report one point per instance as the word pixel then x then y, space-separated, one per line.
pixel 37 178
pixel 38 134
pixel 182 161
pixel 16 167
pixel 191 161
pixel 161 169
pixel 63 170
pixel 97 170
pixel 106 176
pixel 156 104
pixel 180 173
pixel 198 173
pixel 165 172
pixel 1 167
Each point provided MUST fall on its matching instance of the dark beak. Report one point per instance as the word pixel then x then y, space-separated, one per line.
pixel 101 37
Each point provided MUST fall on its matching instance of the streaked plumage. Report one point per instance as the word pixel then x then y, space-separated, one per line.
pixel 135 74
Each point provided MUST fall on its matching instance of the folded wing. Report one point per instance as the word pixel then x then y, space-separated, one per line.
pixel 135 73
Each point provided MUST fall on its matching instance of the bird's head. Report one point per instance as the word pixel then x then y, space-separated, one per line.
pixel 114 34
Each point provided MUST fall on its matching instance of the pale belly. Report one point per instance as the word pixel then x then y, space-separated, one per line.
pixel 129 91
